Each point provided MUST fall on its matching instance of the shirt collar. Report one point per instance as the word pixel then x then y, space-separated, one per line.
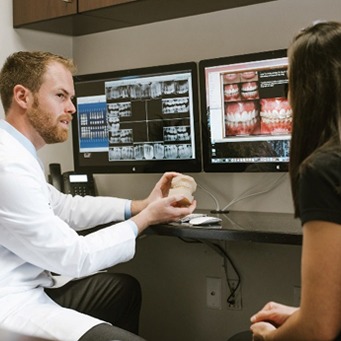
pixel 19 137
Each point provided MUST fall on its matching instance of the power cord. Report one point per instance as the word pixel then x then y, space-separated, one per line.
pixel 245 195
pixel 227 260
pixel 235 285
pixel 211 195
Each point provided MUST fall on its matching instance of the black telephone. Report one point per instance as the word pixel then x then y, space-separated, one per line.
pixel 71 182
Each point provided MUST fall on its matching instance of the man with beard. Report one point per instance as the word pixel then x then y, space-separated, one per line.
pixel 38 224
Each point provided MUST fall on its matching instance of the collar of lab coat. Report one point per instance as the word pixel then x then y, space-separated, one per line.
pixel 19 137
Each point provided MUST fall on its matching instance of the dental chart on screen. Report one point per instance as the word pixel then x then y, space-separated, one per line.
pixel 245 112
pixel 138 120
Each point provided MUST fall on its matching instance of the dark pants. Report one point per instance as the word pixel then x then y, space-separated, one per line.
pixel 114 298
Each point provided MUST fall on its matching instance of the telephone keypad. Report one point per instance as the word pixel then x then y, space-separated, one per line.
pixel 82 190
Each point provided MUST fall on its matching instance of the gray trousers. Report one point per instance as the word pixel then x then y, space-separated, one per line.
pixel 111 297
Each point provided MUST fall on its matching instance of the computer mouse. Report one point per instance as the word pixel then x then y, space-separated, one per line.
pixel 207 220
pixel 191 216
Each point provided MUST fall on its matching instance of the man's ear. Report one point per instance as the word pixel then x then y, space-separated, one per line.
pixel 22 96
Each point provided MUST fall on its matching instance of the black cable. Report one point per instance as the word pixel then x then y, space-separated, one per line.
pixel 227 259
pixel 190 241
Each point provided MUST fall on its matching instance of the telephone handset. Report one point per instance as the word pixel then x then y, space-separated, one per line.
pixel 71 182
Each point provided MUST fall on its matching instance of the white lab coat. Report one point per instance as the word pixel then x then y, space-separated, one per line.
pixel 37 236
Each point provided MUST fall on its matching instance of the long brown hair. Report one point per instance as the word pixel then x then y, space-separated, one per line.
pixel 315 94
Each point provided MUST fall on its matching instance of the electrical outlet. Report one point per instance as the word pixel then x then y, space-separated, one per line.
pixel 213 293
pixel 235 301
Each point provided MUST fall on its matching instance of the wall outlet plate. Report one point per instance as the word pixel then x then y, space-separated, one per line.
pixel 213 293
pixel 235 301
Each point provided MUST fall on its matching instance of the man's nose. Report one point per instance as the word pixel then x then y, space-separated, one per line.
pixel 71 107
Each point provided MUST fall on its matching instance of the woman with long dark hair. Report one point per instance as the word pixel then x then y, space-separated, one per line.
pixel 315 173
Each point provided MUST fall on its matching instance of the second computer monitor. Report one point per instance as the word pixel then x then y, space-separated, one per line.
pixel 245 112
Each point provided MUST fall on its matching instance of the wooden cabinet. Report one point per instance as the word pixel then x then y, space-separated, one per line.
pixel 69 17
pixel 29 11
pixel 88 5
pixel 80 17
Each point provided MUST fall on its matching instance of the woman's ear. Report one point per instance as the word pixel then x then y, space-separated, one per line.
pixel 22 96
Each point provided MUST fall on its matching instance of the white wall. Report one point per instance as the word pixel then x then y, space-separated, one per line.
pixel 173 273
pixel 14 40
pixel 248 29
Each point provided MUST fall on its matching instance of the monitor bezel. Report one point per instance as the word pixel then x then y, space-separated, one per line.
pixel 145 166
pixel 208 165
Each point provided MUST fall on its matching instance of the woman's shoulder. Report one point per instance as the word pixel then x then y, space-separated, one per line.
pixel 325 157
pixel 324 163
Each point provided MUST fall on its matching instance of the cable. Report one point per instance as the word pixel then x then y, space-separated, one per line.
pixel 245 194
pixel 227 259
pixel 189 241
pixel 211 195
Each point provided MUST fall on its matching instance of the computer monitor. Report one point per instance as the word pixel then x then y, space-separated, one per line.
pixel 246 116
pixel 138 120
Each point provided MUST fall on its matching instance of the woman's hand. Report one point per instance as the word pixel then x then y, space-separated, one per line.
pixel 275 313
pixel 266 321
pixel 262 331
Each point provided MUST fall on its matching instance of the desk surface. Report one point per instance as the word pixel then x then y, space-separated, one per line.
pixel 280 228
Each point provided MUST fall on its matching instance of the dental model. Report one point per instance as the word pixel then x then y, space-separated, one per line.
pixel 186 185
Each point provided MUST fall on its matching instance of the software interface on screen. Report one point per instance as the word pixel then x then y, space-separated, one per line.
pixel 136 120
pixel 248 117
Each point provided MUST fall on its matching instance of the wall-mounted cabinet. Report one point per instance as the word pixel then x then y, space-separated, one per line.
pixel 89 5
pixel 80 17
pixel 26 12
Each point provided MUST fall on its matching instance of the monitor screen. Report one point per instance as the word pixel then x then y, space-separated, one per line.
pixel 139 120
pixel 245 113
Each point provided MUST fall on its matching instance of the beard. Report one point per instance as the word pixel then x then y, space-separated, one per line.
pixel 46 124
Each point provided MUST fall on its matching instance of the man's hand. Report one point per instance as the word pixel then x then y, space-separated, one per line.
pixel 163 210
pixel 160 190
pixel 162 187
